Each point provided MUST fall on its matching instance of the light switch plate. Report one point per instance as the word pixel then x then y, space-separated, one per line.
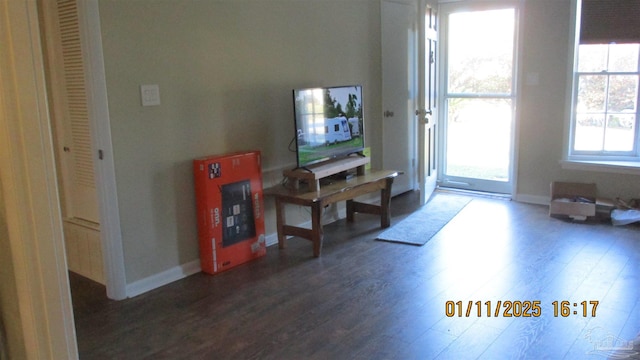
pixel 150 95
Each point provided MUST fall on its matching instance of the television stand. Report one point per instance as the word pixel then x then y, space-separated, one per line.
pixel 340 190
pixel 314 173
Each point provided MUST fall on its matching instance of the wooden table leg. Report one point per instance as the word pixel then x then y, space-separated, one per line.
pixel 350 210
pixel 316 228
pixel 280 220
pixel 385 204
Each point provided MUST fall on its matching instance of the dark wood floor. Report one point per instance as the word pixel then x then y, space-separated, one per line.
pixel 366 299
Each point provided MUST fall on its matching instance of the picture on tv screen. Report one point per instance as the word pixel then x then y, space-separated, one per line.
pixel 329 123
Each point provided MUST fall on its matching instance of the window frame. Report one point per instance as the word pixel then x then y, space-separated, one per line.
pixel 604 154
pixel 584 160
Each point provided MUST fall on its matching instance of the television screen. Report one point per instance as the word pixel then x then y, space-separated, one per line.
pixel 329 123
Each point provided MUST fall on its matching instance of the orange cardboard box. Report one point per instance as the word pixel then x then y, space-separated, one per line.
pixel 230 210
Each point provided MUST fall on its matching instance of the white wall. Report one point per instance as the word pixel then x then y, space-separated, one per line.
pixel 225 69
pixel 545 47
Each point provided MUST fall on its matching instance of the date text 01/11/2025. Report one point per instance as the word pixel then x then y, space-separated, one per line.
pixel 527 308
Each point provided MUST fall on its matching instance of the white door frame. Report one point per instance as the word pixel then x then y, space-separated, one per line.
pixel 30 192
pixel 97 103
pixel 473 5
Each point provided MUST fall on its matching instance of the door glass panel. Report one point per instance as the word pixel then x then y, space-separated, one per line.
pixel 478 139
pixel 480 99
pixel 480 58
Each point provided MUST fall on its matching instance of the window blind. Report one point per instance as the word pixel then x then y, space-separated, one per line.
pixel 607 21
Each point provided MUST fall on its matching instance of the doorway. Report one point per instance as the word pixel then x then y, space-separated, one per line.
pixel 75 161
pixel 478 99
pixel 95 228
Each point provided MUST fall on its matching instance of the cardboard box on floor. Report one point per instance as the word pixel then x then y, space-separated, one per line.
pixel 230 210
pixel 576 200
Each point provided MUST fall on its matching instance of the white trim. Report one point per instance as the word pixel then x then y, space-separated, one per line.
pixel 163 278
pixel 533 199
pixel 615 167
pixel 518 84
pixel 271 239
pixel 30 191
pixel 98 107
pixel 182 271
pixel 571 65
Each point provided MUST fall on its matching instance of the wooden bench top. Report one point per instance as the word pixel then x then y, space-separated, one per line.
pixel 330 190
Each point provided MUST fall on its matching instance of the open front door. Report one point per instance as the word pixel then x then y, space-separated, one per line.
pixel 409 45
pixel 427 113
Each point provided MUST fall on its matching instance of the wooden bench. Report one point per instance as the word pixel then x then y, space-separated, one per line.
pixel 337 190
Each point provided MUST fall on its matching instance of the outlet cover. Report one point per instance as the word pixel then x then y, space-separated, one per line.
pixel 150 95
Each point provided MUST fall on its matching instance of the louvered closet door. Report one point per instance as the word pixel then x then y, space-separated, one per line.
pixel 77 156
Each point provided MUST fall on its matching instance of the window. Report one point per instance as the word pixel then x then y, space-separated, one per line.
pixel 605 121
pixel 606 100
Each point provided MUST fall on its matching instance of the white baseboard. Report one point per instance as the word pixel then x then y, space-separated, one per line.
pixel 182 271
pixel 533 199
pixel 271 239
pixel 163 278
pixel 179 272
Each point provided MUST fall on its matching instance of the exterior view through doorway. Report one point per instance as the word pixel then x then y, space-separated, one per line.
pixel 478 96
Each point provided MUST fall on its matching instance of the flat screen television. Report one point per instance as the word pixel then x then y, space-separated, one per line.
pixel 329 123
